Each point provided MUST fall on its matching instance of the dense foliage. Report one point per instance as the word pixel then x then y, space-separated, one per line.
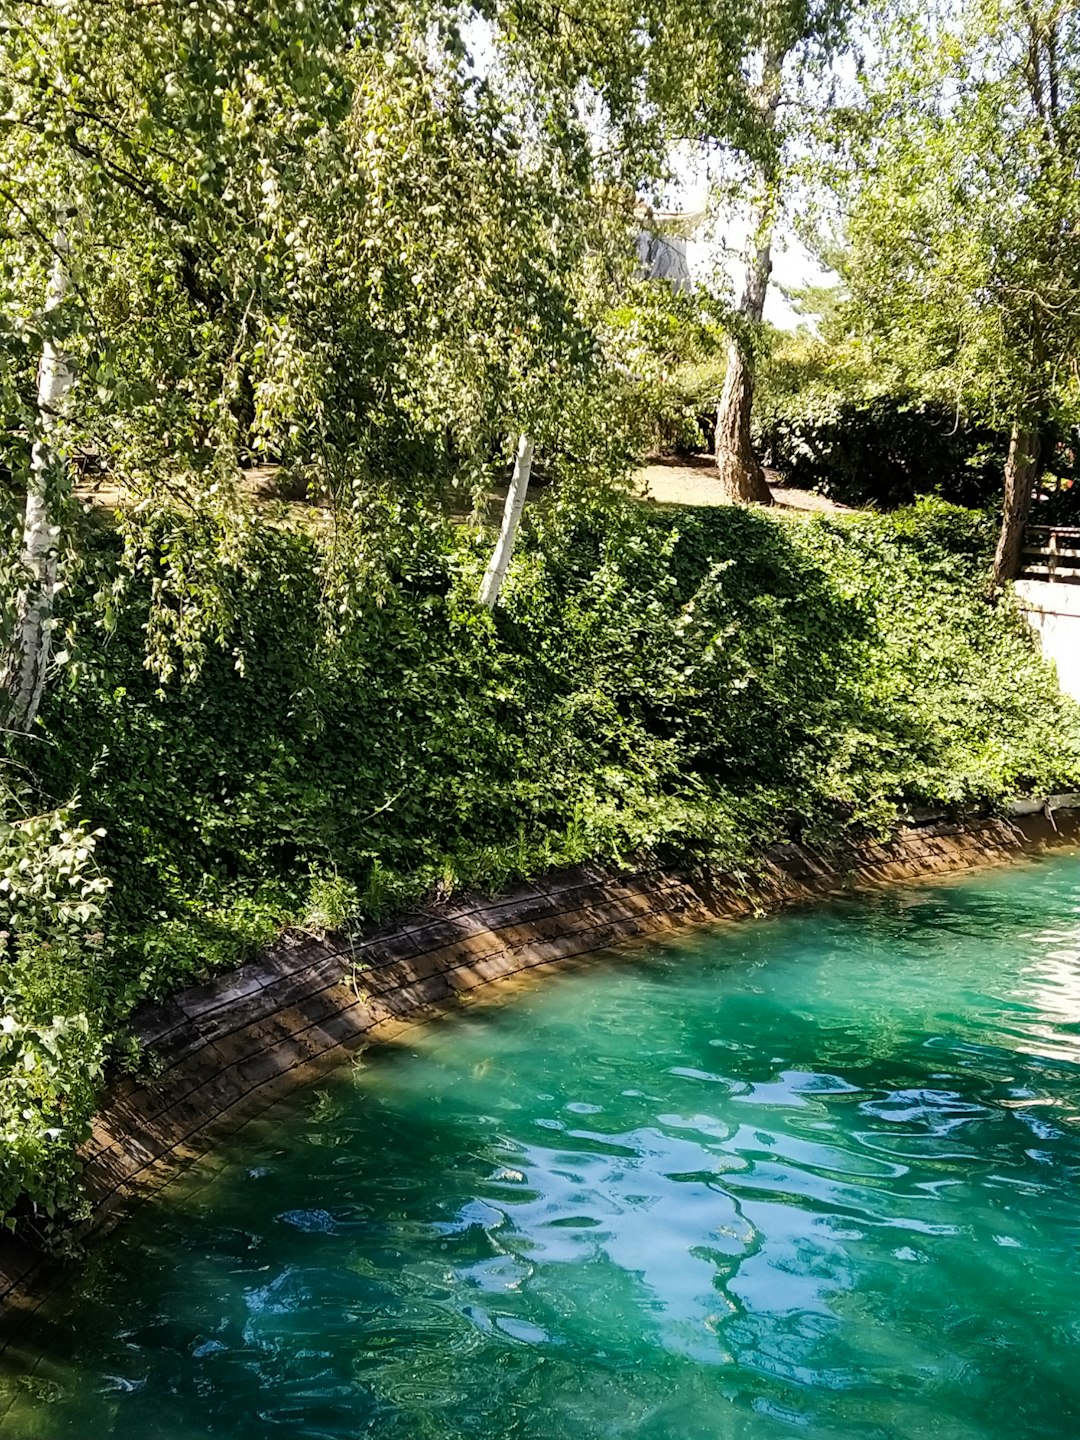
pixel 830 417
pixel 877 450
pixel 963 254
pixel 382 248
pixel 697 684
pixel 825 418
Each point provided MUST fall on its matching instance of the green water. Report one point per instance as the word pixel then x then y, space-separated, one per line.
pixel 815 1175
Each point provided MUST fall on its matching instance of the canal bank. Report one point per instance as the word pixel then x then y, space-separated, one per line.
pixel 218 1055
pixel 814 1169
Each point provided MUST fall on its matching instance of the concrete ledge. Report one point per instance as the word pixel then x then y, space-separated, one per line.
pixel 221 1053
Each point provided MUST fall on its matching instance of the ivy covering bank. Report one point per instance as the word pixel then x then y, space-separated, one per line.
pixel 694 684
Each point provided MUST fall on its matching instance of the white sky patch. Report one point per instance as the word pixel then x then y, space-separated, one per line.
pixel 793 266
pixel 719 246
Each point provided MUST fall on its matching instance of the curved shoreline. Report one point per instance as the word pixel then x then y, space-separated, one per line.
pixel 222 1053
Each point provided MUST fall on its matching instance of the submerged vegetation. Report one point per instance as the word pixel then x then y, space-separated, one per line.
pixel 361 257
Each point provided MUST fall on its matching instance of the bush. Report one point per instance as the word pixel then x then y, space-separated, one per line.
pixel 682 406
pixel 879 450
pixel 696 684
pixel 1058 499
pixel 674 345
pixel 936 528
pixel 56 1006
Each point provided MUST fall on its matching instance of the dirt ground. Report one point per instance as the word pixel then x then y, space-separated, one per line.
pixel 663 480
pixel 691 480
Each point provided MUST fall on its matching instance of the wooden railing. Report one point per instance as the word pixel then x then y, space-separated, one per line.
pixel 1051 552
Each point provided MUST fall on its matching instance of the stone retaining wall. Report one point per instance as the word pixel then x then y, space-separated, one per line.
pixel 221 1053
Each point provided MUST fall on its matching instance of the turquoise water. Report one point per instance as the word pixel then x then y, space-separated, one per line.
pixel 814 1175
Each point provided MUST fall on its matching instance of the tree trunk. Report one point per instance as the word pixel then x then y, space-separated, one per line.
pixel 515 504
pixel 737 466
pixel 738 469
pixel 1021 471
pixel 31 640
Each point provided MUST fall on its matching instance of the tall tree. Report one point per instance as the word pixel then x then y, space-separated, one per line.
pixel 313 230
pixel 738 468
pixel 166 137
pixel 794 41
pixel 317 232
pixel 964 264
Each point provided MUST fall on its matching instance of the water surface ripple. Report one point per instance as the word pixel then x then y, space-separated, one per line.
pixel 814 1175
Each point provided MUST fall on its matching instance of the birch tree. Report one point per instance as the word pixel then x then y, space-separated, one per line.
pixel 316 235
pixel 189 142
pixel 495 573
pixel 31 642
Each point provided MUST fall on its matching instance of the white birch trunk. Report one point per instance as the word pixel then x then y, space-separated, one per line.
pixel 32 636
pixel 515 504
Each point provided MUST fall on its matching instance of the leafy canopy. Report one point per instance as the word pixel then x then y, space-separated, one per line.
pixel 964 259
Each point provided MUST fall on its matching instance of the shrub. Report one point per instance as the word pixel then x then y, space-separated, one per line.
pixel 683 407
pixel 697 684
pixel 55 1005
pixel 878 450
